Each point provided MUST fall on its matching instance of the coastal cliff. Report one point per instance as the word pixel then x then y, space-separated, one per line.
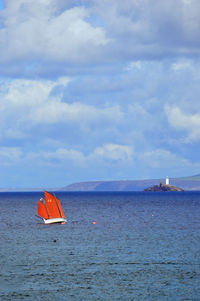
pixel 163 187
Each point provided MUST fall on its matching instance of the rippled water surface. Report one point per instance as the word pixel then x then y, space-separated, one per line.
pixel 145 246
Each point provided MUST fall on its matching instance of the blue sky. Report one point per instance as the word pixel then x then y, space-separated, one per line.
pixel 98 90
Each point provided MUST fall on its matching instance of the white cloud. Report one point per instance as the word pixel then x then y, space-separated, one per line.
pixel 94 117
pixel 56 112
pixel 38 29
pixel 134 65
pixel 181 65
pixel 24 92
pixel 190 123
pixel 163 159
pixel 9 155
pixel 187 1
pixel 37 33
pixel 106 153
pixel 114 152
pixel 27 103
pixel 151 29
pixel 20 99
pixel 59 157
pixel 162 162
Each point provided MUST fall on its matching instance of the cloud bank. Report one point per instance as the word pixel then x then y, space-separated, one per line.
pixel 95 89
pixel 34 34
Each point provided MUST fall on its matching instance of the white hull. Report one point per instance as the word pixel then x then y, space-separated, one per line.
pixel 55 220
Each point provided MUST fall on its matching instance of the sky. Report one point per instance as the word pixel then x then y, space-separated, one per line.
pixel 98 90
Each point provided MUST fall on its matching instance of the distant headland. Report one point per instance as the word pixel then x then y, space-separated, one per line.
pixel 190 183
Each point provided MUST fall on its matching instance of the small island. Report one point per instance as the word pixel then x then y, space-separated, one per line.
pixel 163 187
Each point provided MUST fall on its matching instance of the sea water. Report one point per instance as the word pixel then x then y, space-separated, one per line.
pixel 115 246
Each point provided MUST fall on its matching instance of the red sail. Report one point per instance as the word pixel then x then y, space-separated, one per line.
pixel 60 208
pixel 53 205
pixel 42 210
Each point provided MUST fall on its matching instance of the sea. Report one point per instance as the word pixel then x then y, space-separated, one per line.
pixel 115 246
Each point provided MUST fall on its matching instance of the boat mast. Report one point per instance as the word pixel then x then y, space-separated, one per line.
pixel 58 205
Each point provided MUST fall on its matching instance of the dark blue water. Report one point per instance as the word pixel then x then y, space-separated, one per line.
pixel 145 246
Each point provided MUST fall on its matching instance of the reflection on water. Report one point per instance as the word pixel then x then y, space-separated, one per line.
pixel 143 246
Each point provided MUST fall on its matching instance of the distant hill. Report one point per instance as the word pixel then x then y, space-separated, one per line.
pixel 186 183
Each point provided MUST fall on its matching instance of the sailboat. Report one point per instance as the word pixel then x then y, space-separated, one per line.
pixel 50 209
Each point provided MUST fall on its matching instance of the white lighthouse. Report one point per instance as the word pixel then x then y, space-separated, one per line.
pixel 167 181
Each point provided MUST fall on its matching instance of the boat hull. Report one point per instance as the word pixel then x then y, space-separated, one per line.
pixel 59 220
